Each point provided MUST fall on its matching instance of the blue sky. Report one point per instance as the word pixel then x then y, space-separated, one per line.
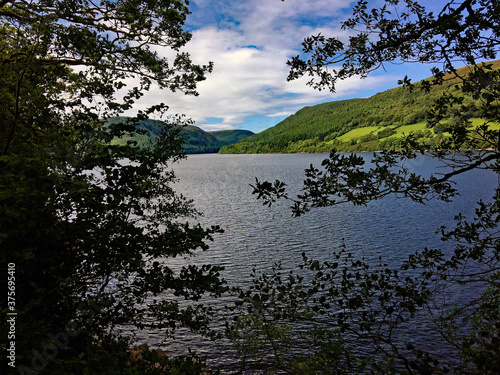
pixel 249 42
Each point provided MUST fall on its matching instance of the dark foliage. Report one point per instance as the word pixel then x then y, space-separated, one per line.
pixel 88 226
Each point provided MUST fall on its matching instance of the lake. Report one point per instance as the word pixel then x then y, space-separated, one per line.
pixel 258 236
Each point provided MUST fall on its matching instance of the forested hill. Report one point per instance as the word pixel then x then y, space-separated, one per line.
pixel 228 137
pixel 197 140
pixel 375 123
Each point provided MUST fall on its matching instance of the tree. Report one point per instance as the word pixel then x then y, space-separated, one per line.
pixel 326 304
pixel 87 226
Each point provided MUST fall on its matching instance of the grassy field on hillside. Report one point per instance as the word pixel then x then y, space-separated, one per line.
pixel 401 131
pixel 358 133
pixel 369 138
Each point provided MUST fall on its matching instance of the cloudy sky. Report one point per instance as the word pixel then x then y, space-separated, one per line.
pixel 249 42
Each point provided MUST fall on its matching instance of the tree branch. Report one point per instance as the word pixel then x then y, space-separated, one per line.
pixel 469 167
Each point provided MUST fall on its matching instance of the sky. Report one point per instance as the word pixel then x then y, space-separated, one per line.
pixel 249 42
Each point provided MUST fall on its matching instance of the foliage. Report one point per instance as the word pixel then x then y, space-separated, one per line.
pixel 372 302
pixel 348 315
pixel 89 226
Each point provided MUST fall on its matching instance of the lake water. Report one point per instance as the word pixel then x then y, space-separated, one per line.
pixel 256 235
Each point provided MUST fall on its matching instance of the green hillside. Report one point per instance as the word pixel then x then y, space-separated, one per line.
pixel 375 123
pixel 197 140
pixel 227 137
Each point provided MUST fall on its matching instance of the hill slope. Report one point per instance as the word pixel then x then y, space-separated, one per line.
pixel 227 137
pixel 197 140
pixel 374 123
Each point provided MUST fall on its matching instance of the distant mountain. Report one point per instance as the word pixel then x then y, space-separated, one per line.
pixel 197 140
pixel 375 123
pixel 227 137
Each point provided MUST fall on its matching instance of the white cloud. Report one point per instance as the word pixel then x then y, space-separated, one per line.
pixel 250 42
